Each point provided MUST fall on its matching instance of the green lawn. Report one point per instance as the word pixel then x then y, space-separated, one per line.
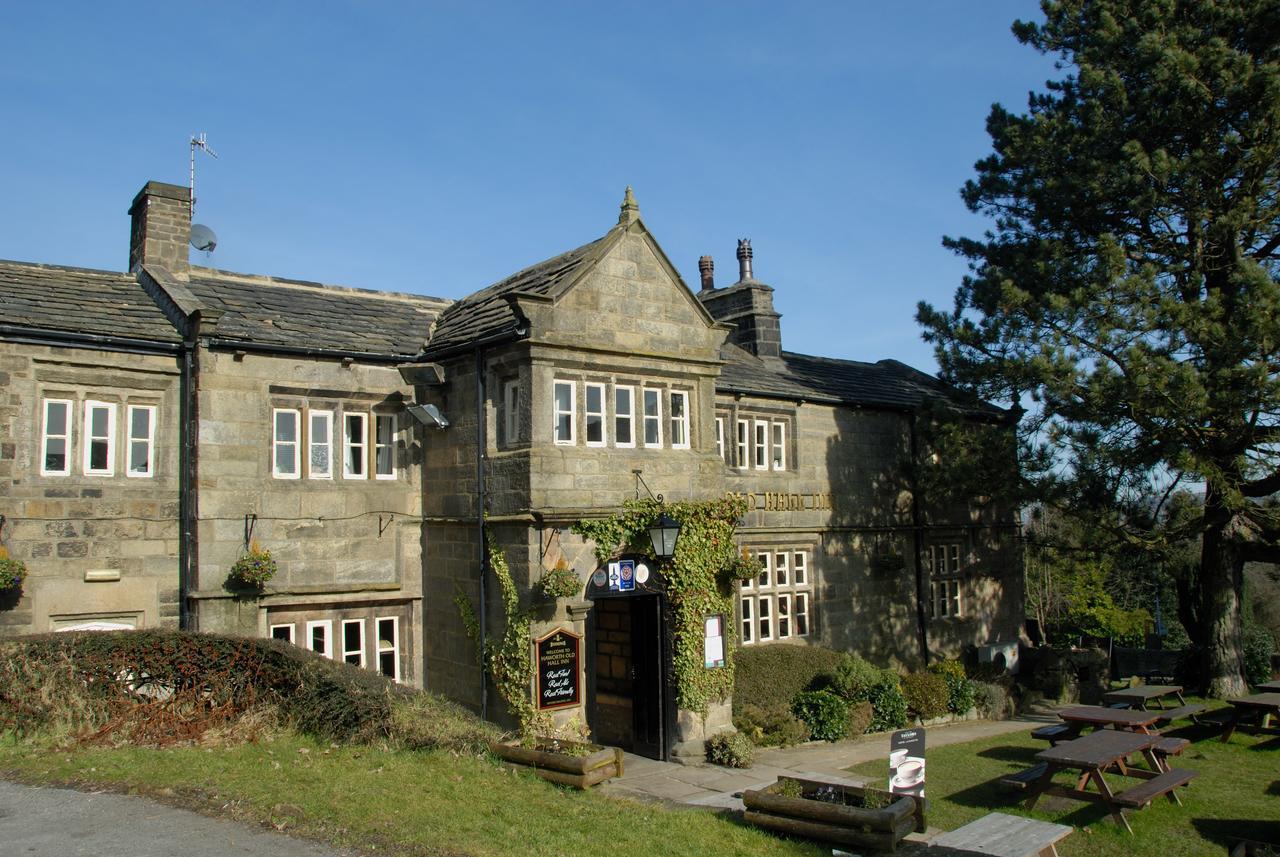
pixel 403 802
pixel 1237 794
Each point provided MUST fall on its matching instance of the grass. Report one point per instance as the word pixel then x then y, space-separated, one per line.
pixel 1235 795
pixel 401 801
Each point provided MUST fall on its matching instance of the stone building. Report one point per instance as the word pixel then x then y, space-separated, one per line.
pixel 375 442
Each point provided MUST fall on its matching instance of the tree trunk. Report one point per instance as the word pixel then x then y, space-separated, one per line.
pixel 1221 582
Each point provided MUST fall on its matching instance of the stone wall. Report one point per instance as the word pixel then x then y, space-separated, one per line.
pixel 97 547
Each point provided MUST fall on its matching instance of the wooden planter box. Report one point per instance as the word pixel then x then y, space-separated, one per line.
pixel 840 820
pixel 578 771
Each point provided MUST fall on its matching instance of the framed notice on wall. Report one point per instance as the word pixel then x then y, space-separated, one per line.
pixel 713 642
pixel 557 669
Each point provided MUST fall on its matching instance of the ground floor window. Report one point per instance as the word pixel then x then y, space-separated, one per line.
pixel 946 567
pixel 777 604
pixel 366 637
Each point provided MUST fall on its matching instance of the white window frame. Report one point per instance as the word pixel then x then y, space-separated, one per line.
pixel 68 417
pixel 744 444
pixel 945 598
pixel 390 445
pixel 799 569
pixel 511 411
pixel 276 443
pixel 572 413
pixel 783 618
pixel 747 619
pixel 764 632
pixel 781 568
pixel 647 418
pixel 346 653
pixel 720 438
pixel 149 440
pixel 291 626
pixel 350 444
pixel 800 610
pixel 679 424
pixel 327 625
pixel 778 445
pixel 764 580
pixel 395 644
pixel 89 407
pixel 327 418
pixel 760 444
pixel 602 413
pixel 629 416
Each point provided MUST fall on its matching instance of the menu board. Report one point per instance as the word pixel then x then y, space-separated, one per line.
pixel 557 669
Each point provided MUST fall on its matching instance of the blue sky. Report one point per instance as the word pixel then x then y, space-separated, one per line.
pixel 436 147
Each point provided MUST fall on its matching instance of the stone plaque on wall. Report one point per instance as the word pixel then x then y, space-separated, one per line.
pixel 557 669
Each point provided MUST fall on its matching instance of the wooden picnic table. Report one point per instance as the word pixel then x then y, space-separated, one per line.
pixel 1269 687
pixel 1001 835
pixel 1260 705
pixel 1098 716
pixel 1095 754
pixel 1138 697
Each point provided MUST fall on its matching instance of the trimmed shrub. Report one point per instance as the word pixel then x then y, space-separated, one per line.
pixel 731 749
pixel 992 700
pixel 164 686
pixel 776 726
pixel 1258 647
pixel 960 691
pixel 853 678
pixel 424 721
pixel 887 703
pixel 825 712
pixel 771 676
pixel 860 717
pixel 926 694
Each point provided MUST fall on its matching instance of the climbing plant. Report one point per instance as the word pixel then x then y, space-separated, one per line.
pixel 701 579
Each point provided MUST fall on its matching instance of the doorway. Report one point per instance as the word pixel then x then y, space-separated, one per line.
pixel 629 692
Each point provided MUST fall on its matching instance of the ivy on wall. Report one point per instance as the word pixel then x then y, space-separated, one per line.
pixel 701 580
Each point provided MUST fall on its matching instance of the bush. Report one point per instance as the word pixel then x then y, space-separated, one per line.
pixel 771 676
pixel 826 714
pixel 174 685
pixel 424 721
pixel 992 700
pixel 560 582
pixel 253 570
pixel 731 749
pixel 926 694
pixel 771 727
pixel 960 691
pixel 887 703
pixel 860 716
pixel 853 678
pixel 1258 647
pixel 12 571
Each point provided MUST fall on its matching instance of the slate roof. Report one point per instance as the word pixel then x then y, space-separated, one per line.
pixel 884 384
pixel 79 300
pixel 271 311
pixel 486 313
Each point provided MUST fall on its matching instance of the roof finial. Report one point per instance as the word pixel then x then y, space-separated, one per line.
pixel 630 208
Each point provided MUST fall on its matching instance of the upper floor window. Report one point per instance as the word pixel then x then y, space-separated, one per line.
pixel 760 443
pixel 720 447
pixel 744 443
pixel 142 440
pixel 384 449
pixel 285 442
pixel 55 438
pixel 595 414
pixel 99 438
pixel 355 440
pixel 945 581
pixel 367 443
pixel 566 412
pixel 652 417
pixel 321 458
pixel 511 411
pixel 679 409
pixel 624 416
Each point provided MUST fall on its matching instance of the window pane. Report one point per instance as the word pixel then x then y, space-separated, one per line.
pixel 282 632
pixel 564 412
pixel 386 632
pixel 780 569
pixel 319 638
pixel 747 625
pixel 802 614
pixel 354 432
pixel 286 426
pixel 763 580
pixel 595 413
pixel 678 433
pixel 784 617
pixel 623 409
pixel 138 456
pixel 98 422
pixel 387 664
pixel 98 455
pixel 652 418
pixel 139 422
pixel 55 454
pixel 779 446
pixel 55 421
pixel 384 444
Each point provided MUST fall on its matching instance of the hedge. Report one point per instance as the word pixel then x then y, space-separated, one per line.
pixel 771 676
pixel 175 684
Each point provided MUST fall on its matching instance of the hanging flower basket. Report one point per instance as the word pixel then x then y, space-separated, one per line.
pixel 560 582
pixel 12 572
pixel 253 570
pixel 744 566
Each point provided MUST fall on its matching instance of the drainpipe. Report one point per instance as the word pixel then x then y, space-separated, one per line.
pixel 480 530
pixel 188 453
pixel 917 530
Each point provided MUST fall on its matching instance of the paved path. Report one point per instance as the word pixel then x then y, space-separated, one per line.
pixel 714 786
pixel 48 822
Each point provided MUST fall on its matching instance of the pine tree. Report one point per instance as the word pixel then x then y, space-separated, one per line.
pixel 1127 291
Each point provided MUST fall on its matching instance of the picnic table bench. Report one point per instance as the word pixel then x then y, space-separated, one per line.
pixel 1139 697
pixel 1002 835
pixel 1095 754
pixel 1260 705
pixel 1269 687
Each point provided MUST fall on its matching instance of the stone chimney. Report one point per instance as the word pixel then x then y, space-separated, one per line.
pixel 747 305
pixel 161 228
pixel 707 269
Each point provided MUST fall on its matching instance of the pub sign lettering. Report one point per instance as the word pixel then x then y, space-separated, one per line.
pixel 557 669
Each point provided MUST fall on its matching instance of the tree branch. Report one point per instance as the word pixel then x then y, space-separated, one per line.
pixel 1264 487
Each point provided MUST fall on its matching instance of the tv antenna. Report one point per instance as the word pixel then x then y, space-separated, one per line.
pixel 202 237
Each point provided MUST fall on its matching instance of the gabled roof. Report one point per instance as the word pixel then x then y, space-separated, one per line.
pixel 887 384
pixel 80 301
pixel 269 311
pixel 486 314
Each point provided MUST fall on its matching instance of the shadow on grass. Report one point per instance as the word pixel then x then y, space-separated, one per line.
pixel 1274 788
pixel 1018 755
pixel 994 796
pixel 1226 831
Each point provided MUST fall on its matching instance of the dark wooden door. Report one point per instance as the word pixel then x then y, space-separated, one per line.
pixel 647 686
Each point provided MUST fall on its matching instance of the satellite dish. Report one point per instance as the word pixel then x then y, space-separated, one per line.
pixel 202 238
